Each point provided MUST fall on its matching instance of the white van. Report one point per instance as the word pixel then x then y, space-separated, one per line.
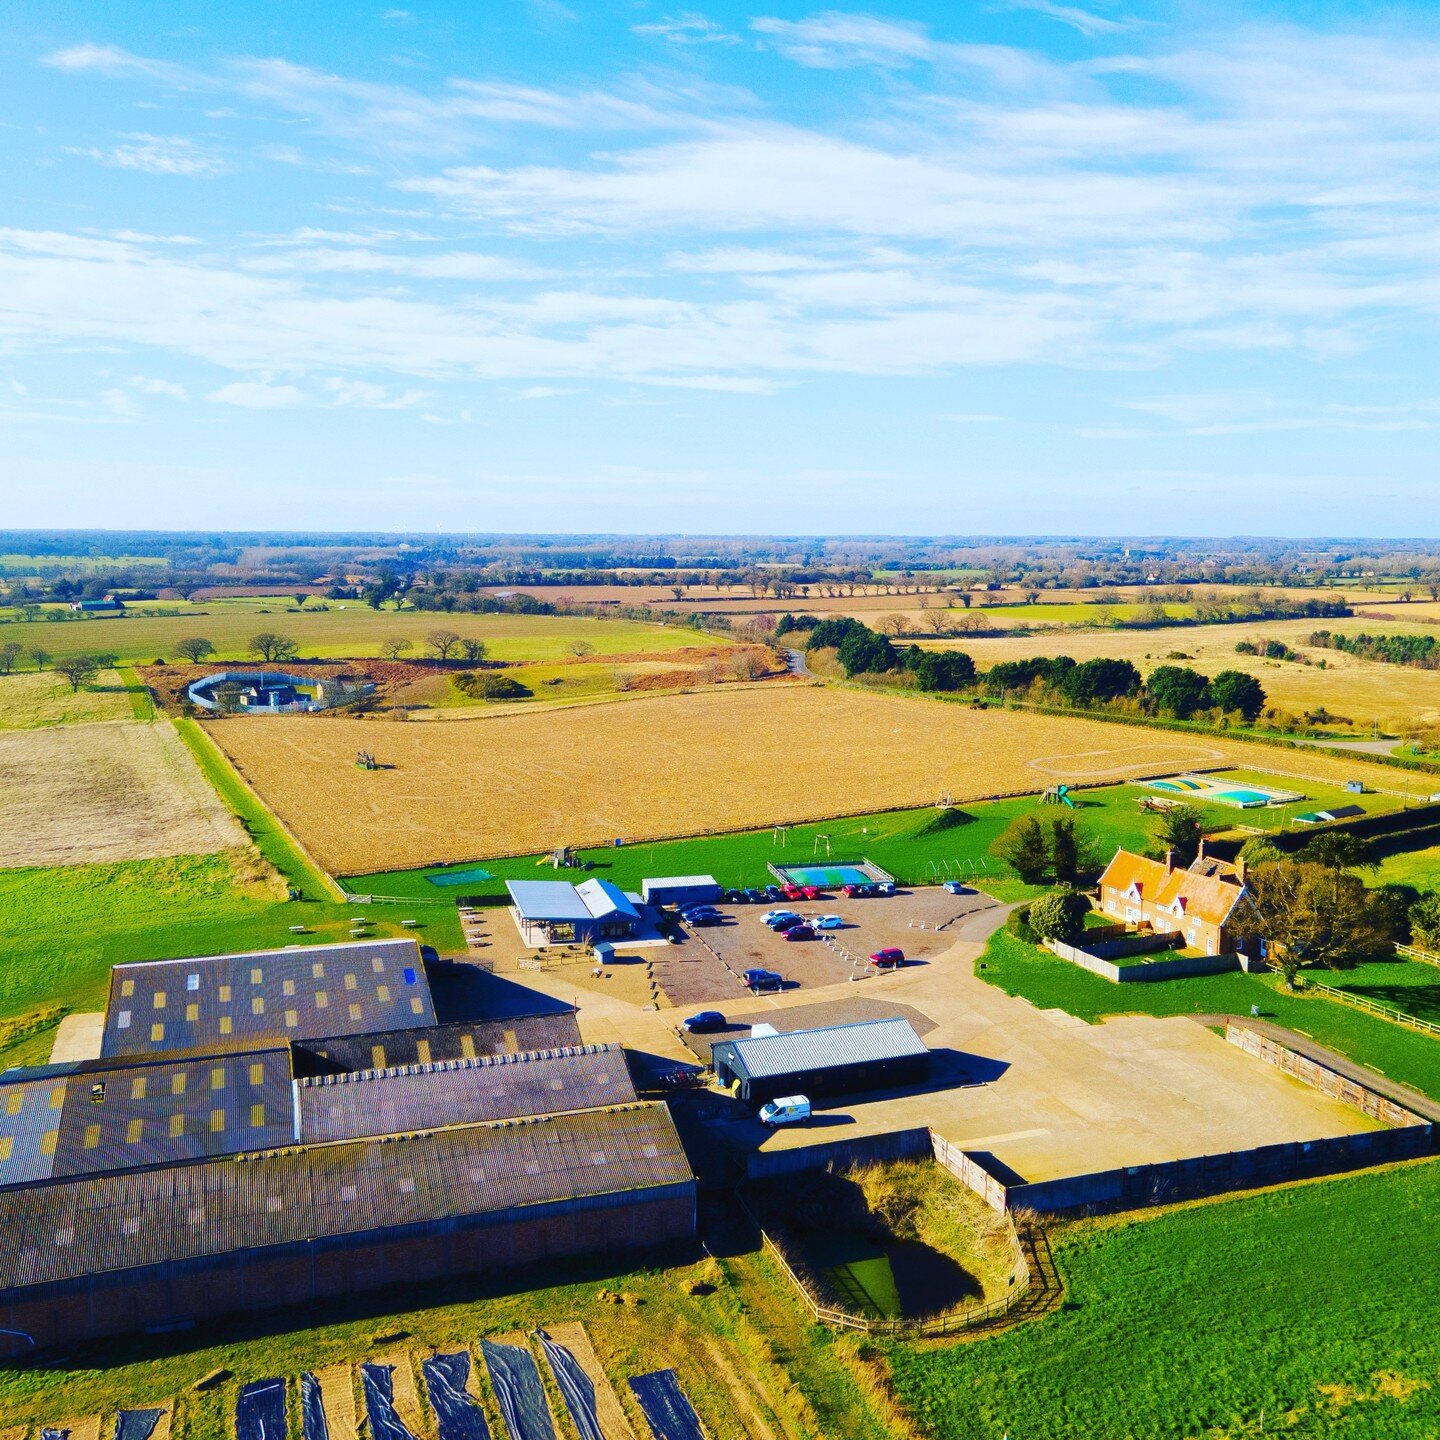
pixel 786 1110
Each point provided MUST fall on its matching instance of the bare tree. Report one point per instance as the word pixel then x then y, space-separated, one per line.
pixel 580 649
pixel 271 647
pixel 395 646
pixel 196 649
pixel 40 657
pixel 473 650
pixel 9 655
pixel 78 670
pixel 443 642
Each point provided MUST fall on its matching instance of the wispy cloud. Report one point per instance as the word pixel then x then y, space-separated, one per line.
pixel 687 29
pixel 157 155
pixel 256 395
pixel 1085 21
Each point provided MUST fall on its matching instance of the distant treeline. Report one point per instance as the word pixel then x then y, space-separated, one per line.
pixel 1421 651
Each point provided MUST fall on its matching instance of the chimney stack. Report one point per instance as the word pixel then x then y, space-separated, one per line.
pixel 1200 849
pixel 1169 859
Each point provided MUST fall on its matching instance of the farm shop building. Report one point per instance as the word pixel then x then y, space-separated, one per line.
pixel 555 912
pixel 158 1189
pixel 838 1060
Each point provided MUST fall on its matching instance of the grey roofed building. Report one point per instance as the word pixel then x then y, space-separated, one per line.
pixel 237 1002
pixel 680 890
pixel 870 1054
pixel 458 1040
pixel 423 1097
pixel 78 1228
pixel 555 912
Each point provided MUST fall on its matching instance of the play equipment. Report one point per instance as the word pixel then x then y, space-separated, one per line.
pixel 562 858
pixel 1057 795
pixel 819 840
pixel 944 801
pixel 364 760
pixel 779 834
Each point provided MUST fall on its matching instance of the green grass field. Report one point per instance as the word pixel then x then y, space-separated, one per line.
pixel 31 701
pixel 1302 1312
pixel 1076 612
pixel 1050 983
pixel 353 632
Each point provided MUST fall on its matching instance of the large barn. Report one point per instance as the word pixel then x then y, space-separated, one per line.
pixel 207 1167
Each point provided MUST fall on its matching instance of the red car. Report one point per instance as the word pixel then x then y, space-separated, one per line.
pixel 810 892
pixel 888 958
pixel 800 932
pixel 793 892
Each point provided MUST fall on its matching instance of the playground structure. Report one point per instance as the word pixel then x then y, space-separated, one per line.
pixel 364 760
pixel 1057 795
pixel 780 835
pixel 563 857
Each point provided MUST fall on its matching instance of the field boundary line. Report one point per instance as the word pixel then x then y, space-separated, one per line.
pixel 142 702
pixel 1423 956
pixel 216 766
pixel 1374 1007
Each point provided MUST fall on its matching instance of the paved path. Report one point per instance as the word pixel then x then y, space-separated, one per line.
pixel 796 661
pixel 1341 1064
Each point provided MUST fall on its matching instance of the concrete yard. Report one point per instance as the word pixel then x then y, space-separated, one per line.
pixel 1045 1094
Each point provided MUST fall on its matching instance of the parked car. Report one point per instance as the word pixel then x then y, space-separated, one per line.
pixel 828 922
pixel 699 922
pixel 788 923
pixel 792 892
pixel 888 958
pixel 885 887
pixel 763 980
pixel 734 897
pixel 802 931
pixel 689 911
pixel 810 892
pixel 787 1110
pixel 755 896
pixel 771 916
pixel 774 892
pixel 859 892
pixel 955 887
pixel 704 1021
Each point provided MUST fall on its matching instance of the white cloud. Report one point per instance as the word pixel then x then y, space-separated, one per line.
pixel 1085 21
pixel 688 29
pixel 366 395
pixel 111 60
pixel 253 395
pixel 118 403
pixel 148 386
pixel 158 155
pixel 542 392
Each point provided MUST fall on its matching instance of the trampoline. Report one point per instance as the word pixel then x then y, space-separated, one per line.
pixel 457 1416
pixel 831 877
pixel 260 1411
pixel 667 1408
pixel 516 1379
pixel 474 876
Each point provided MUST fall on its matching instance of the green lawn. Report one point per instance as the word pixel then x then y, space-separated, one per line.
pixel 741 1346
pixel 1408 1056
pixel 336 633
pixel 1313 1306
pixel 1408 985
pixel 907 843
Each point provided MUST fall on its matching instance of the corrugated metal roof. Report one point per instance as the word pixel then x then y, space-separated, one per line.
pixel 78 1227
pixel 462 1040
pixel 663 882
pixel 548 900
pixel 459 1092
pixel 233 1002
pixel 97 1116
pixel 869 1040
pixel 602 899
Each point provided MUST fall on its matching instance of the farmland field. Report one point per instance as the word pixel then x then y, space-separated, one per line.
pixel 87 794
pixel 719 760
pixel 31 700
pixel 339 633
pixel 1293 1303
pixel 1397 696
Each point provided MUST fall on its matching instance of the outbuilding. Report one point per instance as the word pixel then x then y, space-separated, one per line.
pixel 555 912
pixel 836 1060
pixel 681 890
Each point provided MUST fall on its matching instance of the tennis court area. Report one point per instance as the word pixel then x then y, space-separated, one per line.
pixel 831 876
pixel 1216 790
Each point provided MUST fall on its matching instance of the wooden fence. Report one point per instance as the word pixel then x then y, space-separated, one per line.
pixel 1423 956
pixel 1371 1007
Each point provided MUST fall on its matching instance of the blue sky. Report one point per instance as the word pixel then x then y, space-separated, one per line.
pixel 1023 266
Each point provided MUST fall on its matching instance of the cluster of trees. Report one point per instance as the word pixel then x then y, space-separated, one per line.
pixel 79 670
pixel 1034 850
pixel 490 685
pixel 1421 651
pixel 1268 649
pixel 1174 690
pixel 861 651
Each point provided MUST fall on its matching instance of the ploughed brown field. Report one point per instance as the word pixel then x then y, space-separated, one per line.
pixel 676 765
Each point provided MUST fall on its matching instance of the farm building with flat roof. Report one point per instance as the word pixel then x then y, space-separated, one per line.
pixel 555 912
pixel 166 1187
pixel 681 890
pixel 837 1060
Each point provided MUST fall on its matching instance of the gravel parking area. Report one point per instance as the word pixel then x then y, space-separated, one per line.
pixel 708 966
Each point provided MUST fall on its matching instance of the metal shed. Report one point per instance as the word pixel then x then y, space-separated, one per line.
pixel 681 890
pixel 836 1060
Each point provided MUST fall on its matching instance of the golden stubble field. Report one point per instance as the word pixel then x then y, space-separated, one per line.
pixel 95 794
pixel 684 764
pixel 1397 696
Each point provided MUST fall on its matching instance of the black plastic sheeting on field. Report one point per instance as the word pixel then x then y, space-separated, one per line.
pixel 313 1424
pixel 576 1387
pixel 260 1411
pixel 49 1432
pixel 457 1416
pixel 379 1386
pixel 136 1424
pixel 667 1408
pixel 521 1396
